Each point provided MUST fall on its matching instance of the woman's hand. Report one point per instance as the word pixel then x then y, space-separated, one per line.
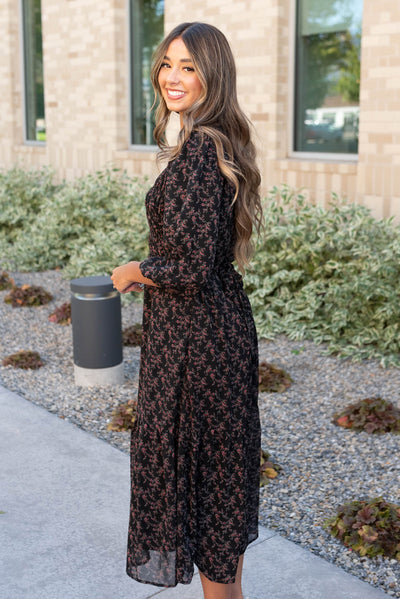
pixel 122 279
pixel 129 278
pixel 134 287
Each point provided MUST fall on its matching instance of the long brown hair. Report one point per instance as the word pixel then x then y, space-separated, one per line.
pixel 217 114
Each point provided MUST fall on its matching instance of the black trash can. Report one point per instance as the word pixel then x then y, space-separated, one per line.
pixel 96 332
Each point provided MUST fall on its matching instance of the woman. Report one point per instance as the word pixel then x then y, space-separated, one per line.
pixel 195 446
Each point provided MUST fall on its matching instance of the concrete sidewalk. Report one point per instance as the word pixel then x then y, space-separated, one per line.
pixel 65 495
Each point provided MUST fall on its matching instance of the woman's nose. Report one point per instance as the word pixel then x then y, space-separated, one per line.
pixel 173 75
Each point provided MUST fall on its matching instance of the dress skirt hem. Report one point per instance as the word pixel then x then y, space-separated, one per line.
pixel 252 538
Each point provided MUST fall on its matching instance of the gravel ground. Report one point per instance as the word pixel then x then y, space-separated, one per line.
pixel 322 465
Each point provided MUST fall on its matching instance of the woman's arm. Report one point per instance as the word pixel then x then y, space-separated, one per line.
pixel 190 226
pixel 126 276
pixel 191 219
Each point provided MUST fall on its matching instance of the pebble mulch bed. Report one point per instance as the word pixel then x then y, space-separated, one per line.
pixel 322 465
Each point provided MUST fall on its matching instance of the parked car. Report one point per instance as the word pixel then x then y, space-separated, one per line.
pixel 321 131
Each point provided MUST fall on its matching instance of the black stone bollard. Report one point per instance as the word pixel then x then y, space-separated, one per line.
pixel 96 332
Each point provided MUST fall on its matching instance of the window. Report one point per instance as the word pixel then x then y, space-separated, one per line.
pixel 35 124
pixel 146 32
pixel 327 76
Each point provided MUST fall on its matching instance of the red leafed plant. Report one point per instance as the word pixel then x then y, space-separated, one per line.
pixel 373 415
pixel 132 335
pixel 28 295
pixel 24 359
pixel 272 379
pixel 6 282
pixel 268 469
pixel 62 314
pixel 123 417
pixel 369 527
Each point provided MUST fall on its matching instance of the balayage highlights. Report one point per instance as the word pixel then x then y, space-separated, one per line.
pixel 217 114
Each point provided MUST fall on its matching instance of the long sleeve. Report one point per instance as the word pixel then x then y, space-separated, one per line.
pixel 191 214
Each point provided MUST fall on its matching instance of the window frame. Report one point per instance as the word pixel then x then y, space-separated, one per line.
pixel 131 146
pixel 26 141
pixel 292 153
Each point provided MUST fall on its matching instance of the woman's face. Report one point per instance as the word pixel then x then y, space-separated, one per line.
pixel 179 83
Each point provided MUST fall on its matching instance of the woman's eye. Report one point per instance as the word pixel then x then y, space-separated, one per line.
pixel 189 69
pixel 164 65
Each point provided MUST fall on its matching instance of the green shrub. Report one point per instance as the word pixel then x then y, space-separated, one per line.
pixel 375 415
pixel 332 276
pixel 22 194
pixel 88 226
pixel 369 527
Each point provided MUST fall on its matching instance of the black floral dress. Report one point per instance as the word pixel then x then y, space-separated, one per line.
pixel 195 446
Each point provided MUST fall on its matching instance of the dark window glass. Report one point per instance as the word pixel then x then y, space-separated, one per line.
pixel 35 124
pixel 327 75
pixel 147 30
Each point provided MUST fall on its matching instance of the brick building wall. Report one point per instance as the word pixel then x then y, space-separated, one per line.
pixel 378 172
pixel 86 65
pixel 85 57
pixel 12 148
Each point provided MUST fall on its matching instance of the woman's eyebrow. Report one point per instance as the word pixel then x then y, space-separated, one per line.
pixel 182 59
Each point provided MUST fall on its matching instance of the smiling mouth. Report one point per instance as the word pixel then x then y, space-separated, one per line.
pixel 175 94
